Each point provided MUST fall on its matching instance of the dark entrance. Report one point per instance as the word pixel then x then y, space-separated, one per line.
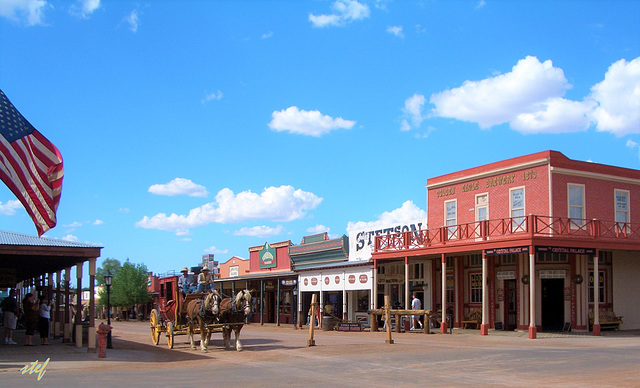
pixel 510 305
pixel 552 304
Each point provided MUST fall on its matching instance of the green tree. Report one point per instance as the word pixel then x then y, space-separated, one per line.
pixel 129 287
pixel 112 265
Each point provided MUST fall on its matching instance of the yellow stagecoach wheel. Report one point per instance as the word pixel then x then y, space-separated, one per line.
pixel 170 335
pixel 155 331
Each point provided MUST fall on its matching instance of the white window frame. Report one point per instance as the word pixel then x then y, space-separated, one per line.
pixel 576 221
pixel 624 225
pixel 517 222
pixel 451 227
pixel 603 287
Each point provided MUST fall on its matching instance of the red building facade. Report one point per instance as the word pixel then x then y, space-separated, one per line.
pixel 522 239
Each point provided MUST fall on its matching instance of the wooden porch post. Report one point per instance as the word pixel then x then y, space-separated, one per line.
pixel 407 295
pixel 78 320
pixel 484 327
pixel 67 309
pixel 533 330
pixel 91 340
pixel 596 293
pixel 443 314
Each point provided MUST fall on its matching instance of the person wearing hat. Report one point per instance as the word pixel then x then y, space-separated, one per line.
pixel 204 280
pixel 186 282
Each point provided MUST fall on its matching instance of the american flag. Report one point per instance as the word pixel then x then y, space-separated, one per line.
pixel 30 166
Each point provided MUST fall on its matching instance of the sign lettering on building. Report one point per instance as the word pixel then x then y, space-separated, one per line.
pixel 361 242
pixel 501 180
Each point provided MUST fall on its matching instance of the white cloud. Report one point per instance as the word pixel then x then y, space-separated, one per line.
pixel 502 98
pixel 70 238
pixel 530 99
pixel 311 123
pixel 413 116
pixel 556 115
pixel 98 222
pixel 395 30
pixel 267 35
pixel 213 249
pixel 259 231
pixel 318 229
pixel 407 212
pixel 74 224
pixel 212 96
pixel 84 8
pixel 618 98
pixel 631 144
pixel 282 203
pixel 9 208
pixel 31 12
pixel 124 210
pixel 344 12
pixel 133 20
pixel 481 4
pixel 179 186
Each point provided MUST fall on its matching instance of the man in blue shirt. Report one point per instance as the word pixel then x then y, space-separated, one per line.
pixel 186 282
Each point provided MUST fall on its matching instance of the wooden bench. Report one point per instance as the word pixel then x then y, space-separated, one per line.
pixel 474 319
pixel 608 320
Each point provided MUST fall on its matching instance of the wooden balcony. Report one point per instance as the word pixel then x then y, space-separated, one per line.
pixel 532 228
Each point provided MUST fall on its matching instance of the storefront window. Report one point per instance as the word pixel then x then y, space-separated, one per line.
pixel 363 301
pixel 476 288
pixel 451 217
pixel 450 294
pixel 601 287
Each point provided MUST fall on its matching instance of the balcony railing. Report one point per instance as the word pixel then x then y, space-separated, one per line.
pixel 505 228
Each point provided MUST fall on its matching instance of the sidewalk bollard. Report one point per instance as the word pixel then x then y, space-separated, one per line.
pixel 102 331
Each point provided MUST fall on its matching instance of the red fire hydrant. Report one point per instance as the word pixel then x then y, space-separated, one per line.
pixel 102 331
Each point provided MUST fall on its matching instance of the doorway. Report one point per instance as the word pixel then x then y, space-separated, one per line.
pixel 552 304
pixel 510 305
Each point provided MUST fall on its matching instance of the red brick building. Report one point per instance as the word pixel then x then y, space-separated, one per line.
pixel 521 239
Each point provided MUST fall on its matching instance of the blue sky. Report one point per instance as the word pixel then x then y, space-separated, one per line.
pixel 201 127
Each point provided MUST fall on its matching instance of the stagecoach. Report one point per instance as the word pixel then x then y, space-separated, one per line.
pixel 170 316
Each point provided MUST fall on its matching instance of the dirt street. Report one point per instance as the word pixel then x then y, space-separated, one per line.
pixel 279 356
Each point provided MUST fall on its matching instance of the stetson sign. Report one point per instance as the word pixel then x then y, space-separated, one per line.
pixel 267 256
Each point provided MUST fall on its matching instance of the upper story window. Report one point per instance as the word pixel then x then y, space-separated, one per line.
pixel 451 216
pixel 622 206
pixel 575 195
pixel 516 204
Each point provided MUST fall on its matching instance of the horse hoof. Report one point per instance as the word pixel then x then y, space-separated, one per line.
pixel 205 351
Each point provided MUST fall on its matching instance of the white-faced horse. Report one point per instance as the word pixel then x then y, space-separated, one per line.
pixel 200 313
pixel 233 312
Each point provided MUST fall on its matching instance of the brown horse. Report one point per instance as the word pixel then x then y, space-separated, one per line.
pixel 200 313
pixel 233 312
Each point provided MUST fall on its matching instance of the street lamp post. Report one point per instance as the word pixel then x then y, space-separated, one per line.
pixel 107 281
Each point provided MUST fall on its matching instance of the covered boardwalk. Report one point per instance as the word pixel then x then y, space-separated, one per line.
pixel 28 263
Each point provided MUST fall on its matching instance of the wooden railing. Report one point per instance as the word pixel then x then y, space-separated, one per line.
pixel 505 228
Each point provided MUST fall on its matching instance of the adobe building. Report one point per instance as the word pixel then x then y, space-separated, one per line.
pixel 234 267
pixel 538 243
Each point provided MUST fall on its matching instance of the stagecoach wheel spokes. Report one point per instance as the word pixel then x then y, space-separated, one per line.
pixel 170 335
pixel 153 321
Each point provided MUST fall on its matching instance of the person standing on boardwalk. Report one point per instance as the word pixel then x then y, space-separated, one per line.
pixel 10 320
pixel 43 324
pixel 30 308
pixel 415 305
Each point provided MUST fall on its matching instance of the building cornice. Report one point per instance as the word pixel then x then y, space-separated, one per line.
pixel 589 174
pixel 488 173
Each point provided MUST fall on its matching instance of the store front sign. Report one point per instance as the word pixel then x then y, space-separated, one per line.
pixel 567 250
pixel 506 251
pixel 267 256
pixel 506 275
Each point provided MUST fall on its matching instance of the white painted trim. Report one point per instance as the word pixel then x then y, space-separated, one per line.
pixel 589 174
